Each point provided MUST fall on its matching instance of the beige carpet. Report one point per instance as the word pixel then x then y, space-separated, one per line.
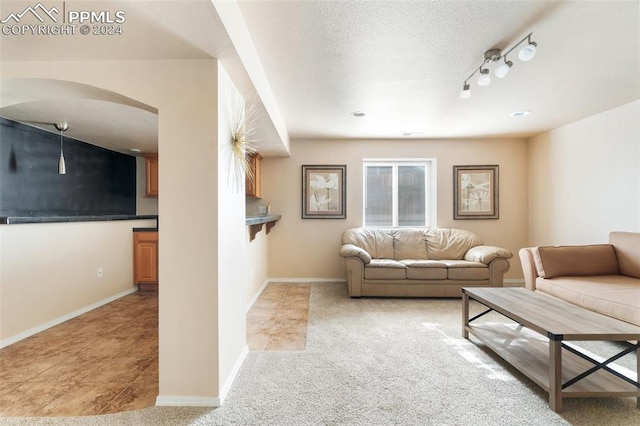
pixel 380 362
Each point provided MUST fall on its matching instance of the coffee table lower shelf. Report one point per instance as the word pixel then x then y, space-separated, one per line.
pixel 528 351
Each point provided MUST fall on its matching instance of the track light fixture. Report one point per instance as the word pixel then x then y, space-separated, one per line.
pixel 62 127
pixel 494 55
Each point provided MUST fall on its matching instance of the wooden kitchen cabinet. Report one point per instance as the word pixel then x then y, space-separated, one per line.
pixel 145 259
pixel 254 187
pixel 151 164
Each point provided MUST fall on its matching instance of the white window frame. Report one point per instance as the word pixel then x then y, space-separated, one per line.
pixel 431 186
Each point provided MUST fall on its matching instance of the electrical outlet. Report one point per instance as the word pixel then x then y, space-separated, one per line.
pixel 100 272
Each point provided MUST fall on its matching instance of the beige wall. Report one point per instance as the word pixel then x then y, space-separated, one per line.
pixel 51 270
pixel 584 179
pixel 144 204
pixel 257 254
pixel 232 278
pixel 309 248
pixel 185 95
pixel 257 264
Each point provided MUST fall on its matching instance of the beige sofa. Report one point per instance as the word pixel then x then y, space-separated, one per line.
pixel 604 278
pixel 418 262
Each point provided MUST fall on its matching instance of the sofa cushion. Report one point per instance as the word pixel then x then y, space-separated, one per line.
pixel 451 244
pixel 385 269
pixel 409 243
pixel 465 270
pixel 597 259
pixel 627 247
pixel 425 269
pixel 617 296
pixel 377 242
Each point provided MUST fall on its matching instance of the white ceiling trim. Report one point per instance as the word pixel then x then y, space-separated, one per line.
pixel 233 21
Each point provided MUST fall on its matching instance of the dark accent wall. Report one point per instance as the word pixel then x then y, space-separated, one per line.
pixel 98 181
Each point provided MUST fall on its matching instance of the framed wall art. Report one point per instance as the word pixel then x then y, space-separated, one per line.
pixel 475 192
pixel 324 192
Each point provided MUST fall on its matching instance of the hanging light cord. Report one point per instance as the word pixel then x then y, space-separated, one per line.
pixel 62 167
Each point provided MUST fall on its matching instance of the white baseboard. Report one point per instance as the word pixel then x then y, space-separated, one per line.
pixel 187 401
pixel 513 282
pixel 307 280
pixel 37 329
pixel 255 296
pixel 199 401
pixel 227 385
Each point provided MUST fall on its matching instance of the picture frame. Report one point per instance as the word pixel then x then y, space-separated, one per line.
pixel 475 192
pixel 324 192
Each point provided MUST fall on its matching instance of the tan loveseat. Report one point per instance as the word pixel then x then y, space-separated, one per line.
pixel 418 262
pixel 603 278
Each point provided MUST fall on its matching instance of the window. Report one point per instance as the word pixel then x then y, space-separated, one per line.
pixel 399 192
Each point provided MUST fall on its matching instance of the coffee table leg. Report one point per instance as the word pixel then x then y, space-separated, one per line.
pixel 465 315
pixel 638 373
pixel 555 375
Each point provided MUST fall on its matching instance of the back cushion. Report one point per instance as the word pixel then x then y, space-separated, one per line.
pixel 450 244
pixel 410 243
pixel 627 247
pixel 598 259
pixel 377 242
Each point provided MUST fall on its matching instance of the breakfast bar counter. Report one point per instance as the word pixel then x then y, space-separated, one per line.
pixel 11 220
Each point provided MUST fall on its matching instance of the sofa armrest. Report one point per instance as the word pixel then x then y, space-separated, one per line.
pixel 497 268
pixel 350 250
pixel 528 267
pixel 486 254
pixel 355 274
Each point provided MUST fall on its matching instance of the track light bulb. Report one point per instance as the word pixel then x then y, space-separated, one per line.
pixel 528 52
pixel 503 70
pixel 484 79
pixel 466 92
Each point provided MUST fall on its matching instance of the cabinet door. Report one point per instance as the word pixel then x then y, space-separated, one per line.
pixel 145 257
pixel 254 187
pixel 151 161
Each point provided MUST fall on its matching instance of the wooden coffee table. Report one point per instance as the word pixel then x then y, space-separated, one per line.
pixel 536 344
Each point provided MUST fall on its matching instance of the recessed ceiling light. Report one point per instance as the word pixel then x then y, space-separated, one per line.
pixel 358 114
pixel 520 113
pixel 134 150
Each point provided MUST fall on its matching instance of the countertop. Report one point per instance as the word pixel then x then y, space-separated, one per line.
pixel 145 229
pixel 257 220
pixel 54 219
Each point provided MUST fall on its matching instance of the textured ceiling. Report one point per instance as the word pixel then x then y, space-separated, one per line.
pixel 401 62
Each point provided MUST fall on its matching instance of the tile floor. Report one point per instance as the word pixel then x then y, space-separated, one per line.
pixel 277 321
pixel 106 360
